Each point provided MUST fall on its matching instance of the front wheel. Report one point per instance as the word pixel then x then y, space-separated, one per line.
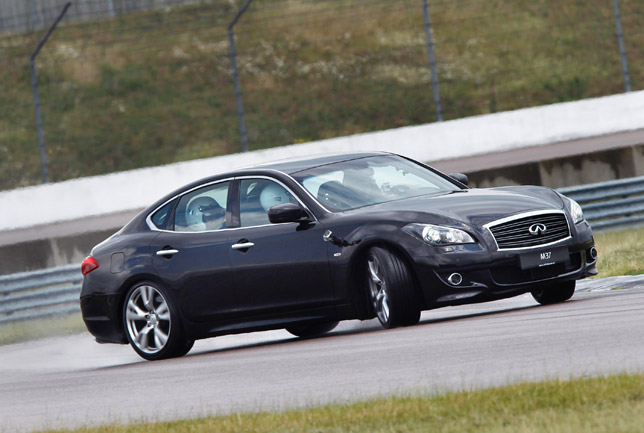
pixel 392 292
pixel 152 325
pixel 554 294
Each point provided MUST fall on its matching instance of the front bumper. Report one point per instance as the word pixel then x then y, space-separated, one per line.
pixel 484 276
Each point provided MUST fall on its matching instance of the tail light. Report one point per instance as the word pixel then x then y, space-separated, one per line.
pixel 89 264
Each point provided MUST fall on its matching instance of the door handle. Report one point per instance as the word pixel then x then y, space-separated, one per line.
pixel 167 253
pixel 243 246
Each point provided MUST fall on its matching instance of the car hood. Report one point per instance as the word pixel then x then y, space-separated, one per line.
pixel 474 207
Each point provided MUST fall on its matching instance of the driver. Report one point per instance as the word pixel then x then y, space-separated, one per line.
pixel 362 181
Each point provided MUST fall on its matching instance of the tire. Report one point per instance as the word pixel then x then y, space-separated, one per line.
pixel 554 294
pixel 182 349
pixel 392 293
pixel 306 330
pixel 152 324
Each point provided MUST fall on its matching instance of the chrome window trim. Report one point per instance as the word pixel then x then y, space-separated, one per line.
pixel 494 223
pixel 152 227
pixel 222 230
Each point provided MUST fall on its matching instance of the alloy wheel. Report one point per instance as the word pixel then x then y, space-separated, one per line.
pixel 378 289
pixel 148 319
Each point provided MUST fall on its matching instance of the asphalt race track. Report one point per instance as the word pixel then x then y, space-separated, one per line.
pixel 72 381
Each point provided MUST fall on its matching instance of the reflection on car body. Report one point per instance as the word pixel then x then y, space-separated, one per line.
pixel 303 244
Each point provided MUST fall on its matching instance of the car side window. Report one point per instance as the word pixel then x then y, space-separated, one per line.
pixel 203 209
pixel 160 218
pixel 257 196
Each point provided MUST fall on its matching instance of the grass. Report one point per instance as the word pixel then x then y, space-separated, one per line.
pixel 16 332
pixel 620 252
pixel 608 404
pixel 156 87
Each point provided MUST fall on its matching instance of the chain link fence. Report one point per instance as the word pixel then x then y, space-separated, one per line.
pixel 20 16
pixel 132 83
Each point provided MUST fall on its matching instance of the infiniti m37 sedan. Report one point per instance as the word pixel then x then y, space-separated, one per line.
pixel 302 244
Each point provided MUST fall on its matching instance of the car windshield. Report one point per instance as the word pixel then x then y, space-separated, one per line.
pixel 366 181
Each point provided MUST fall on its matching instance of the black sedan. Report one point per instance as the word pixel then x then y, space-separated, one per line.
pixel 303 244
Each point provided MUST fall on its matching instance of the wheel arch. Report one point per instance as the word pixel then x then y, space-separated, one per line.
pixel 357 277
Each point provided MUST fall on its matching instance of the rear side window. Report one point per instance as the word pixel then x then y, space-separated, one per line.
pixel 161 217
pixel 203 209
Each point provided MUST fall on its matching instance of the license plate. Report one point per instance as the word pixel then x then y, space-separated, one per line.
pixel 545 257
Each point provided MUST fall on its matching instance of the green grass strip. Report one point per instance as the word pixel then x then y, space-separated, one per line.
pixel 27 330
pixel 608 404
pixel 620 253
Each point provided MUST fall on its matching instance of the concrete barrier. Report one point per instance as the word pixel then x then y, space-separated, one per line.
pixel 135 189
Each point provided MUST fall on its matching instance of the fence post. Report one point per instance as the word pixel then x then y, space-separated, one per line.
pixel 34 15
pixel 432 63
pixel 622 50
pixel 34 85
pixel 110 8
pixel 238 93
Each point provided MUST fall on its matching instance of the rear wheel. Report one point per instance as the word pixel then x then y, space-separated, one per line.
pixel 391 289
pixel 554 294
pixel 305 330
pixel 152 325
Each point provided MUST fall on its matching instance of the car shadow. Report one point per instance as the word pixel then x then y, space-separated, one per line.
pixel 362 327
pixel 365 327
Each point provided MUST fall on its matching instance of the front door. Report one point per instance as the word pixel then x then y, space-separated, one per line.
pixel 277 267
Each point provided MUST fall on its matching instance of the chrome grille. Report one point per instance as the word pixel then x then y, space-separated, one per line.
pixel 516 233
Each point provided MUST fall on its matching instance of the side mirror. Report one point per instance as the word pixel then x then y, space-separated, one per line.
pixel 460 177
pixel 287 213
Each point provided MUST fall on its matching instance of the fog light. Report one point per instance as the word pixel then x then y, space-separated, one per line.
pixel 455 279
pixel 592 252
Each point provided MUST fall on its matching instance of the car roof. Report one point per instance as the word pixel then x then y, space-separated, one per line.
pixel 286 166
pixel 293 165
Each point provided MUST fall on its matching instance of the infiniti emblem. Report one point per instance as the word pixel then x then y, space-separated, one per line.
pixel 537 229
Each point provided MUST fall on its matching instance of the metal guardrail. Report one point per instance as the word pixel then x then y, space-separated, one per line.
pixel 610 205
pixel 31 295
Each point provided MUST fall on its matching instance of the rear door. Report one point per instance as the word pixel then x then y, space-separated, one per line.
pixel 192 255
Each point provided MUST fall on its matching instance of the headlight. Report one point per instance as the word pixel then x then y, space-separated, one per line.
pixel 576 212
pixel 438 235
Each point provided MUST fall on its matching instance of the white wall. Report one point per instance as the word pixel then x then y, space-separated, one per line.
pixel 136 189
